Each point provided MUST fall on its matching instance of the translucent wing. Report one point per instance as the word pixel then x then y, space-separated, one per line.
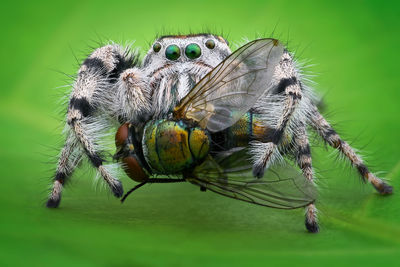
pixel 282 187
pixel 235 160
pixel 232 88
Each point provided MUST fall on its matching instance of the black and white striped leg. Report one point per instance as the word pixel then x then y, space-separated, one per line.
pixel 290 87
pixel 92 98
pixel 69 159
pixel 304 161
pixel 333 139
pixel 81 124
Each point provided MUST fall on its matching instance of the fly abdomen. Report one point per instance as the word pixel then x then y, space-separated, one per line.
pixel 249 127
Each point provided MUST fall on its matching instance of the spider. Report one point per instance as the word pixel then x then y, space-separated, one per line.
pixel 113 87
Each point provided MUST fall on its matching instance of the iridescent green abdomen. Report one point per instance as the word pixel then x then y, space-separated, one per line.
pixel 171 147
pixel 249 127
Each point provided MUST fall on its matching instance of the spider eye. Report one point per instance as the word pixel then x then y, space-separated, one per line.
pixel 172 52
pixel 193 51
pixel 210 44
pixel 156 47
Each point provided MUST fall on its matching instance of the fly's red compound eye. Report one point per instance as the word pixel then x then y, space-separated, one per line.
pixel 122 135
pixel 134 170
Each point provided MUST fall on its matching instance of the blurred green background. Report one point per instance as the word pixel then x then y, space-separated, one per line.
pixel 353 46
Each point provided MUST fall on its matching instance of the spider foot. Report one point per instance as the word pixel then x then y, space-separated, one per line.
pixel 312 227
pixel 117 188
pixel 258 170
pixel 53 202
pixel 385 189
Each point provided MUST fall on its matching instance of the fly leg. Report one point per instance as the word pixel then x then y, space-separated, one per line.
pixel 152 181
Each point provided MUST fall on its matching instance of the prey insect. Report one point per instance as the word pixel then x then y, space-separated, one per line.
pixel 179 89
pixel 193 143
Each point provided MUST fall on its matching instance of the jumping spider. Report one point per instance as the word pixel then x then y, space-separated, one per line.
pixel 113 87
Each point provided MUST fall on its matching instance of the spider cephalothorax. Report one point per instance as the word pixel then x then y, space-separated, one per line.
pixel 174 64
pixel 113 88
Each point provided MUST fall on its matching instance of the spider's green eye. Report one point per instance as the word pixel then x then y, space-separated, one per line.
pixel 172 52
pixel 156 47
pixel 210 44
pixel 193 51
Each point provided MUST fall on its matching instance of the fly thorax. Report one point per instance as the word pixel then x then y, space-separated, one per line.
pixel 170 147
pixel 199 143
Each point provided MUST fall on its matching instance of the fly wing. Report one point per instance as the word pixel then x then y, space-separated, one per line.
pixel 235 160
pixel 232 88
pixel 282 187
